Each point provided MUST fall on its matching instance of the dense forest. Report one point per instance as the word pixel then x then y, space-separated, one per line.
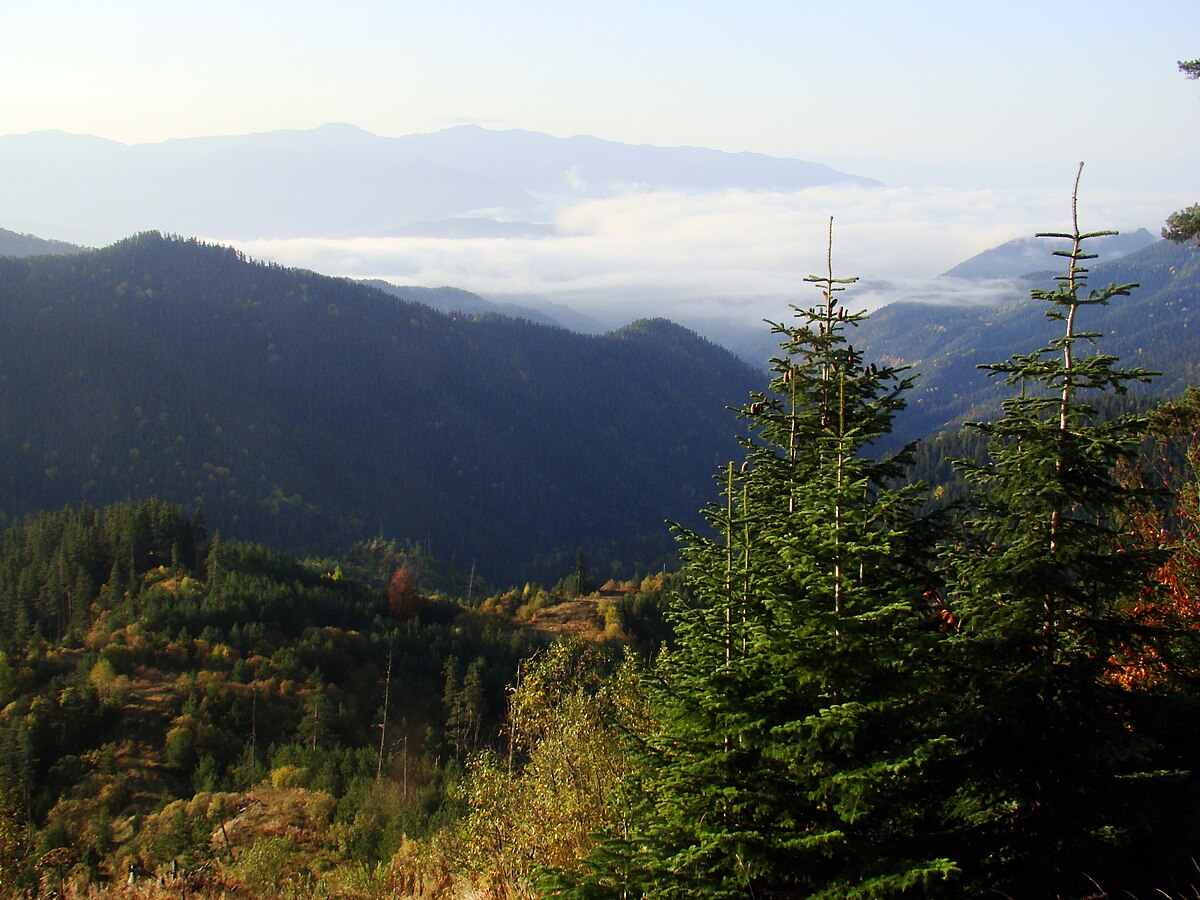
pixel 158 682
pixel 858 683
pixel 310 412
pixel 946 344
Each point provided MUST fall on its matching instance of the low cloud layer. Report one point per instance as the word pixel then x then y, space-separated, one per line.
pixel 736 255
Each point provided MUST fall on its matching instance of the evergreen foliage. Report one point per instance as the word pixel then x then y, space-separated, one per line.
pixel 147 673
pixel 579 583
pixel 310 412
pixel 946 344
pixel 793 754
pixel 1060 776
pixel 1183 225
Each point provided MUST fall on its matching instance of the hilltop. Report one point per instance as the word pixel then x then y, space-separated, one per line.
pixel 311 412
pixel 14 244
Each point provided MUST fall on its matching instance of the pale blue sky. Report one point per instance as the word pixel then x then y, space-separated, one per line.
pixel 974 114
pixel 950 84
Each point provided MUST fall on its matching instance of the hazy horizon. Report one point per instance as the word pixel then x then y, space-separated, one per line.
pixel 973 118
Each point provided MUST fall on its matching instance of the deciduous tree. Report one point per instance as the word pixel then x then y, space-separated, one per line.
pixel 404 601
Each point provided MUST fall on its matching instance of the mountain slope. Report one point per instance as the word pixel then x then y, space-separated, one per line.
pixel 456 300
pixel 1157 327
pixel 309 412
pixel 587 166
pixel 1029 254
pixel 14 244
pixel 341 181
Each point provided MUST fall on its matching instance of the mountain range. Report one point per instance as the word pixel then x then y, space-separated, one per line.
pixel 14 244
pixel 310 412
pixel 341 181
pixel 1022 256
pixel 1157 327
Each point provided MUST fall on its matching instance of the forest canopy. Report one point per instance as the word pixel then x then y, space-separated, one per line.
pixel 850 688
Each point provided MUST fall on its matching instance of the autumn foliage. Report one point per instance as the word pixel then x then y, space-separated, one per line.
pixel 403 600
pixel 1169 607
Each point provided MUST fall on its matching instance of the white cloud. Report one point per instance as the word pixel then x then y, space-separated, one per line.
pixel 733 255
pixel 571 177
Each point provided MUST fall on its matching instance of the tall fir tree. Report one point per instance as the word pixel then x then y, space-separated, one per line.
pixel 1062 781
pixel 794 744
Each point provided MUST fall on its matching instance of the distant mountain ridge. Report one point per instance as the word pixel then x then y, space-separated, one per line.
pixel 1156 327
pixel 341 181
pixel 14 244
pixel 1023 256
pixel 588 166
pixel 456 300
pixel 308 412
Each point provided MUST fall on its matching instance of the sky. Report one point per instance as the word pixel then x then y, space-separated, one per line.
pixel 974 114
pixel 915 82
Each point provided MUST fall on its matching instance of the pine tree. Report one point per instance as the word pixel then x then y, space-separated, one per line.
pixel 795 745
pixel 1056 768
pixel 582 580
pixel 465 705
pixel 474 703
pixel 316 725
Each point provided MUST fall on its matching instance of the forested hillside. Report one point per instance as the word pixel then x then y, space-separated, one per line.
pixel 1158 327
pixel 14 244
pixel 311 412
pixel 157 683
pixel 1021 256
pixel 839 693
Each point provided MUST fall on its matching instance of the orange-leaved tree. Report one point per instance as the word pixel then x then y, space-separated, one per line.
pixel 1161 652
pixel 403 599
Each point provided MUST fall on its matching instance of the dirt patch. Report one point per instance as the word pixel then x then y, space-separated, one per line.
pixel 148 704
pixel 576 618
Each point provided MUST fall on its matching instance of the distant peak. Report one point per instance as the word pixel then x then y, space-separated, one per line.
pixel 59 137
pixel 657 327
pixel 342 128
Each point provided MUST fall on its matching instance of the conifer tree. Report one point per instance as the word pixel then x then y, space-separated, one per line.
pixel 793 746
pixel 316 725
pixel 1183 225
pixel 1056 785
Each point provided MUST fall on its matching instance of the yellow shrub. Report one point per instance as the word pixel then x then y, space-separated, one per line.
pixel 286 777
